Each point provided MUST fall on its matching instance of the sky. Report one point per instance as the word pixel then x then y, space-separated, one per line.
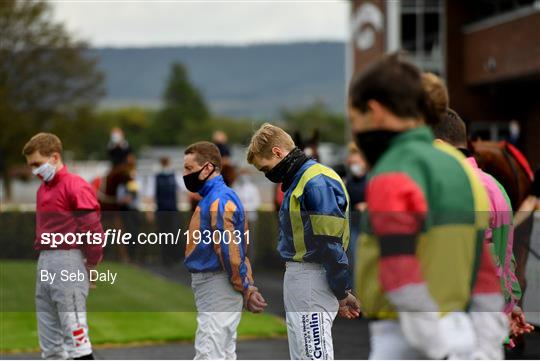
pixel 181 22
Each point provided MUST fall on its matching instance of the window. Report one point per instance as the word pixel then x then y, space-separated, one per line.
pixel 422 32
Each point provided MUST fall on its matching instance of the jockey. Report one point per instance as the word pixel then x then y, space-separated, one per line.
pixel 216 256
pixel 313 238
pixel 65 204
pixel 423 263
pixel 500 234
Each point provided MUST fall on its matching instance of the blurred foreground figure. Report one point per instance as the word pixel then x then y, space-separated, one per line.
pixel 500 233
pixel 65 204
pixel 216 256
pixel 423 264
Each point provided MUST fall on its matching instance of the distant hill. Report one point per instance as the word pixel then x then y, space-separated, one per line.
pixel 251 81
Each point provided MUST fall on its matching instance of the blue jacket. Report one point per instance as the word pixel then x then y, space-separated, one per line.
pixel 218 237
pixel 166 191
pixel 314 223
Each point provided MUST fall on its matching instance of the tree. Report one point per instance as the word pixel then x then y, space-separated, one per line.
pixel 47 78
pixel 316 117
pixel 184 113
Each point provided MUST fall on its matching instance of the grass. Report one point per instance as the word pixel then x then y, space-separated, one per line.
pixel 139 307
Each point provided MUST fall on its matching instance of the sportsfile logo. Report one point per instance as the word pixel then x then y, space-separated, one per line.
pixel 313 334
pixel 121 237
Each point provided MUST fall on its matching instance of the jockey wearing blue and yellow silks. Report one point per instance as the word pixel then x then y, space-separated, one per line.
pixel 216 256
pixel 313 238
pixel 314 223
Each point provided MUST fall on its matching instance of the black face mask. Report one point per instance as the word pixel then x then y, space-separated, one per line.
pixel 374 143
pixel 286 168
pixel 192 181
pixel 275 175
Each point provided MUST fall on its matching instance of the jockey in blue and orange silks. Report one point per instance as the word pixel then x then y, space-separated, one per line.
pixel 216 255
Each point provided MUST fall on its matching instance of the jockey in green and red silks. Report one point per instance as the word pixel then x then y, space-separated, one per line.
pixel 427 214
pixel 425 275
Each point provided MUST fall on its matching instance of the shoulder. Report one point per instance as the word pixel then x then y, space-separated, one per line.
pixel 318 175
pixel 422 162
pixel 226 199
pixel 232 201
pixel 76 183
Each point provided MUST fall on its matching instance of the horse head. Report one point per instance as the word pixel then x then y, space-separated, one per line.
pixel 507 165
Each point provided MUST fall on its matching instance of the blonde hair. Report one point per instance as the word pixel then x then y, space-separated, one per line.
pixel 436 91
pixel 44 143
pixel 267 137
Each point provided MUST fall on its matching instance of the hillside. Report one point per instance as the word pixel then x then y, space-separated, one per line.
pixel 250 81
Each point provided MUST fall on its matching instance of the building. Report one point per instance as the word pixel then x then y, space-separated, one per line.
pixel 488 51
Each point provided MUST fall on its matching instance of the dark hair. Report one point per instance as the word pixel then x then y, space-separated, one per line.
pixel 451 129
pixel 205 152
pixel 396 84
pixel 165 161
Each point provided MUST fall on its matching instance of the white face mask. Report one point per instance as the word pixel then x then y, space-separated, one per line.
pixel 45 171
pixel 116 137
pixel 357 169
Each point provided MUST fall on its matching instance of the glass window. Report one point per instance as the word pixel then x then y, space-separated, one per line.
pixel 431 31
pixel 422 32
pixel 408 32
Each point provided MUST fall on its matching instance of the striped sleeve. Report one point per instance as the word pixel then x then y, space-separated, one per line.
pixel 233 246
pixel 486 293
pixel 327 208
pixel 398 209
pixel 503 241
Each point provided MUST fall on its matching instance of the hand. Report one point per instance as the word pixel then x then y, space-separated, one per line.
pixel 362 206
pixel 518 324
pixel 349 307
pixel 255 302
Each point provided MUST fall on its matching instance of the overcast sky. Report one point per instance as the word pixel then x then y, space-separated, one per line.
pixel 153 23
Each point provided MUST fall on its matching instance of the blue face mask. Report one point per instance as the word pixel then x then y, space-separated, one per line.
pixel 45 172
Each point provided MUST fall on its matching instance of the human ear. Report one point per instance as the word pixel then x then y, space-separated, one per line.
pixel 377 113
pixel 55 158
pixel 278 153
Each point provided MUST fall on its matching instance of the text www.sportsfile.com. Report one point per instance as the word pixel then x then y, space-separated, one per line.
pixel 119 237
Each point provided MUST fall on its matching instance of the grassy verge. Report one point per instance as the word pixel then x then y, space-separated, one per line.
pixel 139 307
